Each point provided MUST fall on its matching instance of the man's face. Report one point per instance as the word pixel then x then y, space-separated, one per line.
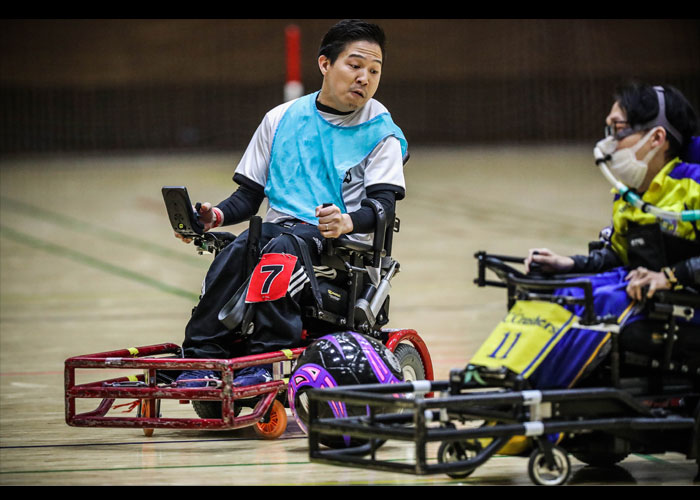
pixel 354 77
pixel 617 120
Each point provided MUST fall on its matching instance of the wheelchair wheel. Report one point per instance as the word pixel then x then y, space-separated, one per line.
pixel 410 362
pixel 361 446
pixel 275 424
pixel 212 409
pixel 457 451
pixel 541 474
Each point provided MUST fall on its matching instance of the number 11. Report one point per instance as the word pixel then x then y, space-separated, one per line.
pixel 494 354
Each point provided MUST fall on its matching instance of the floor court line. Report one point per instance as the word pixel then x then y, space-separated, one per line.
pixel 413 479
pixel 84 227
pixel 33 374
pixel 140 443
pixel 90 261
pixel 156 467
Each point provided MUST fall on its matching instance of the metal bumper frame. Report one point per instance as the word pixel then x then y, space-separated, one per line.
pixel 146 387
pixel 401 413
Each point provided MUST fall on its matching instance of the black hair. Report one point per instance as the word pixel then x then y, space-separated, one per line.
pixel 640 102
pixel 349 31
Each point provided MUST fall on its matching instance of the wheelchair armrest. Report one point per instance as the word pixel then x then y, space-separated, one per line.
pixel 496 264
pixel 513 279
pixel 668 303
pixel 379 229
pixel 346 243
pixel 678 298
pixel 377 247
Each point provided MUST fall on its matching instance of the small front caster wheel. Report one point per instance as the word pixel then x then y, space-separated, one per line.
pixel 148 408
pixel 546 474
pixel 458 451
pixel 275 424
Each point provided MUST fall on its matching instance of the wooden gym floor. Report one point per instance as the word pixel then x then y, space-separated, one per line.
pixel 88 263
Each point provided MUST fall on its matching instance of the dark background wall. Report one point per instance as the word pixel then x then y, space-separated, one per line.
pixel 136 85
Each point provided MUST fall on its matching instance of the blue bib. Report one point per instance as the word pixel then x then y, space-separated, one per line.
pixel 310 158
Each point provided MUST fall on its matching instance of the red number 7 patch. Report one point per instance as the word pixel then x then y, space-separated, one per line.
pixel 270 278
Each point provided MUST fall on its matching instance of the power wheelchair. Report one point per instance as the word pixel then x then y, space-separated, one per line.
pixel 642 397
pixel 357 300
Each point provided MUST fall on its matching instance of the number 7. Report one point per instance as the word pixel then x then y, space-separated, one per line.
pixel 274 270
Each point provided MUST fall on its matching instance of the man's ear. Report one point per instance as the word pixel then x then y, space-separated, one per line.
pixel 658 138
pixel 323 64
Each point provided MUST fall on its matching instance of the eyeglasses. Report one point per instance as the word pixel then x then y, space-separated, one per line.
pixel 619 129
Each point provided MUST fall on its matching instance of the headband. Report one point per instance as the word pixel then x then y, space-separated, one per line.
pixel 661 119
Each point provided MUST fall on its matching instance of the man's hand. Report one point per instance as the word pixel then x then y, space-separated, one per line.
pixel 206 217
pixel 641 277
pixel 332 223
pixel 548 260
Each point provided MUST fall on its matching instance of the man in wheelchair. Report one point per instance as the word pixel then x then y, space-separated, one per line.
pixel 649 151
pixel 316 159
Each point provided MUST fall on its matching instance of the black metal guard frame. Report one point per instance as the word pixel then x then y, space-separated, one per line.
pixel 409 419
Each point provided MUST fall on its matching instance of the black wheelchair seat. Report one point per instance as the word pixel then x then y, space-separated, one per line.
pixel 356 297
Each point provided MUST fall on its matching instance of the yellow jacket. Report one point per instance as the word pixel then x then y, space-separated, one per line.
pixel 675 188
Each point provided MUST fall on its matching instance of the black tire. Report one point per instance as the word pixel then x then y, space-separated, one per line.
pixel 410 362
pixel 301 405
pixel 542 475
pixel 453 451
pixel 212 409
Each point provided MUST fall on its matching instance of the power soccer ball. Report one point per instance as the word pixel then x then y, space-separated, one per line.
pixel 340 359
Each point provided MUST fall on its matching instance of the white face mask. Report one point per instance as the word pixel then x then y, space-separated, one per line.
pixel 623 162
